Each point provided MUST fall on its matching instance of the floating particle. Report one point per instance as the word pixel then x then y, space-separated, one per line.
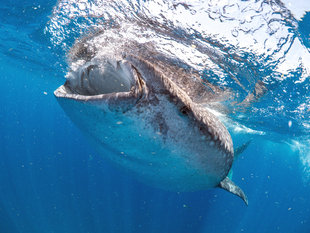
pixel 290 124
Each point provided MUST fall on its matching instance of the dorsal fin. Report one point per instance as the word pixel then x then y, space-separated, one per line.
pixel 231 187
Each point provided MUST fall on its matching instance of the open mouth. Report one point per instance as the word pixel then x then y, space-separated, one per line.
pixel 97 80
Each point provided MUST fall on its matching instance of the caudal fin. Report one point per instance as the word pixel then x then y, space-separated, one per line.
pixel 231 187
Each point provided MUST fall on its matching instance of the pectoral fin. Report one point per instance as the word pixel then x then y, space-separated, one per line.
pixel 239 150
pixel 230 186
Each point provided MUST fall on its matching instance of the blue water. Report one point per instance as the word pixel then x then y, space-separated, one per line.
pixel 52 180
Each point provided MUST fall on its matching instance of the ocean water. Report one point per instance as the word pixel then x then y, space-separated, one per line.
pixel 52 180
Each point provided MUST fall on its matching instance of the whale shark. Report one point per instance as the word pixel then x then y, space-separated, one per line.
pixel 146 112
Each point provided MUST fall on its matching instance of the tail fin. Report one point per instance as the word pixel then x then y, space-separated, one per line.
pixel 231 187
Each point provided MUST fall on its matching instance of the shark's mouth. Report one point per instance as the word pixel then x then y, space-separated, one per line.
pixel 95 79
pixel 102 80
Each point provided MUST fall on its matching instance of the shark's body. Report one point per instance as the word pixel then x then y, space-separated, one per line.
pixel 144 112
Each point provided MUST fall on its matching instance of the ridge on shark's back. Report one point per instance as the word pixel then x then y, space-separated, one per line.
pixel 144 111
